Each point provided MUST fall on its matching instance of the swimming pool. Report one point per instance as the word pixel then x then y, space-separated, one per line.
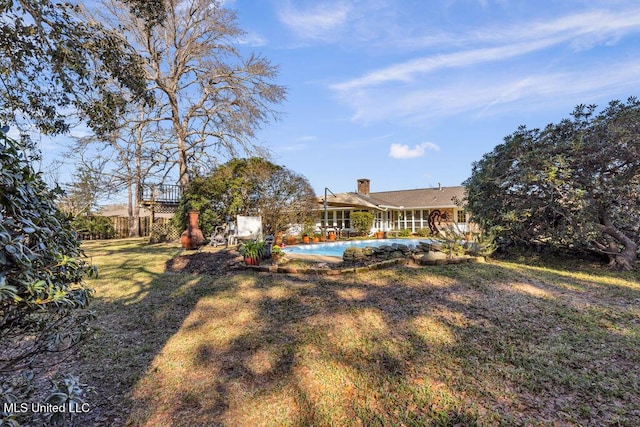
pixel 337 248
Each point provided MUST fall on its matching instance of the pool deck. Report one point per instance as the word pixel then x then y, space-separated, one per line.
pixel 316 258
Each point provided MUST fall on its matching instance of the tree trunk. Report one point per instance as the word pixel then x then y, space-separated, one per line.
pixel 627 257
pixel 183 164
pixel 130 206
pixel 138 180
pixel 134 229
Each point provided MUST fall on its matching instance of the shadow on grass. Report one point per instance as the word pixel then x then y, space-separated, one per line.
pixel 454 345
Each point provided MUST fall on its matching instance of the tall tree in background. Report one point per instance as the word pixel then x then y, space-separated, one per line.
pixel 53 65
pixel 575 184
pixel 82 195
pixel 126 158
pixel 210 96
pixel 141 155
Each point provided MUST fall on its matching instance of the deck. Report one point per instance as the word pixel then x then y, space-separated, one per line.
pixel 161 197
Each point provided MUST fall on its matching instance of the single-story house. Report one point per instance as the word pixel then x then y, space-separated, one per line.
pixel 413 210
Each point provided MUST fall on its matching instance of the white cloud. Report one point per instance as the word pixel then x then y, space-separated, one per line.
pixel 253 39
pixel 408 70
pixel 531 65
pixel 403 151
pixel 581 31
pixel 484 95
pixel 293 147
pixel 318 22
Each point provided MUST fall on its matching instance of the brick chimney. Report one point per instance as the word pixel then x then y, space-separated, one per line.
pixel 363 186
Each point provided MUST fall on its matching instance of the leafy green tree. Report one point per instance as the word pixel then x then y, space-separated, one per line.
pixel 251 186
pixel 54 65
pixel 42 293
pixel 574 184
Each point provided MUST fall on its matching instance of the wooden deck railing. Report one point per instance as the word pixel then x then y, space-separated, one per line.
pixel 161 194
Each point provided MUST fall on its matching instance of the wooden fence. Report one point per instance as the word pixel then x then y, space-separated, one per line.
pixel 121 226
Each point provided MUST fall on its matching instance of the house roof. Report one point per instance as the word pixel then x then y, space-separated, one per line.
pixel 349 200
pixel 421 198
pixel 440 197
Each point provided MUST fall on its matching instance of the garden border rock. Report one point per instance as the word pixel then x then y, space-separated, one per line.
pixel 361 269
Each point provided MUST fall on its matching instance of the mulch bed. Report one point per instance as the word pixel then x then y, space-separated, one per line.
pixel 213 263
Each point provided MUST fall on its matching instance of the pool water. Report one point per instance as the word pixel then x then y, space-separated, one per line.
pixel 337 248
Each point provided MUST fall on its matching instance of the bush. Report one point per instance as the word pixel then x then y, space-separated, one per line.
pixel 483 244
pixel 42 293
pixel 362 222
pixel 404 233
pixel 94 227
pixel 454 243
pixel 423 232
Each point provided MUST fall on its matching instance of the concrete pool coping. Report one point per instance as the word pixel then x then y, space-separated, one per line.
pixel 315 258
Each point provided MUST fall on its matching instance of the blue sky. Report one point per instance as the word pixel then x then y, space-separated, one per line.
pixel 408 93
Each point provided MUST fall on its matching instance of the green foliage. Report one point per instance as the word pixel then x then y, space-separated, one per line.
pixel 423 232
pixel 404 233
pixel 574 184
pixel 42 293
pixel 252 249
pixel 483 244
pixel 94 227
pixel 69 393
pixel 198 197
pixel 452 241
pixel 251 186
pixel 309 229
pixel 362 221
pixel 55 60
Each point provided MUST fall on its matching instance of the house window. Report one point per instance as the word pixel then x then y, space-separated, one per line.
pixel 330 219
pixel 342 219
pixel 462 216
pixel 425 218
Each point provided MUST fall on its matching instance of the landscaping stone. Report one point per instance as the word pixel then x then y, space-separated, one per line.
pixel 433 255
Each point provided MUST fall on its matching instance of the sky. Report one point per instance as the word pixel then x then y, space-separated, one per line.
pixel 409 93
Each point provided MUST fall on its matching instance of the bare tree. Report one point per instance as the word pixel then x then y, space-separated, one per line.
pixel 125 158
pixel 141 155
pixel 211 98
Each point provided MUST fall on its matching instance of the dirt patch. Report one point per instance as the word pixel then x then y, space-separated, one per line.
pixel 204 262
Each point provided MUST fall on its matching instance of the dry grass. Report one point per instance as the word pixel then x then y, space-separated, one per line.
pixel 480 344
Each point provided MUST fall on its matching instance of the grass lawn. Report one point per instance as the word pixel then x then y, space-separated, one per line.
pixel 473 344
